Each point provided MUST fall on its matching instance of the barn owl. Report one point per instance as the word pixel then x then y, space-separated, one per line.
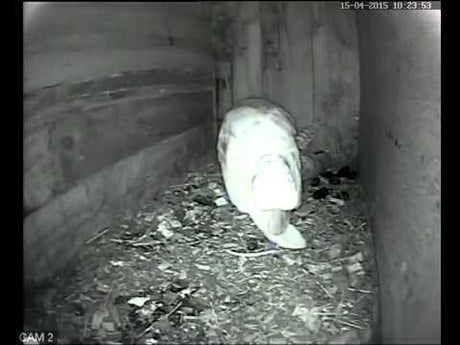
pixel 260 166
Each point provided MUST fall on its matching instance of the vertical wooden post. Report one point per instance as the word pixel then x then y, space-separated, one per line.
pixel 247 58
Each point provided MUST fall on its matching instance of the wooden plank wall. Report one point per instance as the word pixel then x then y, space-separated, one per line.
pixel 303 56
pixel 69 42
pixel 100 141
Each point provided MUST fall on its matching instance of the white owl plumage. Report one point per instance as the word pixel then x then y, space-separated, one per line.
pixel 260 166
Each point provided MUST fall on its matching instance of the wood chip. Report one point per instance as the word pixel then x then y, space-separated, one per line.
pixel 108 326
pixel 358 257
pixel 203 267
pixel 221 201
pixel 164 265
pixel 138 301
pixel 97 318
pixel 354 268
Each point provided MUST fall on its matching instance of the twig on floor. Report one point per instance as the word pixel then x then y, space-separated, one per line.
pixel 174 309
pixel 324 289
pixel 359 290
pixel 94 238
pixel 349 324
pixel 360 226
pixel 144 244
pixel 252 255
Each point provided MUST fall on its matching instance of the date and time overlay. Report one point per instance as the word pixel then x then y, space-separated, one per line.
pixel 390 5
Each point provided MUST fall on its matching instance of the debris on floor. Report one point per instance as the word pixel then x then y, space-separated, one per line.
pixel 190 268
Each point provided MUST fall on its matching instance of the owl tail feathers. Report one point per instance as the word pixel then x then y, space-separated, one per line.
pixel 291 238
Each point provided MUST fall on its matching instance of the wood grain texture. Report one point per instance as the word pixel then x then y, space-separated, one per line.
pixel 69 137
pixel 54 233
